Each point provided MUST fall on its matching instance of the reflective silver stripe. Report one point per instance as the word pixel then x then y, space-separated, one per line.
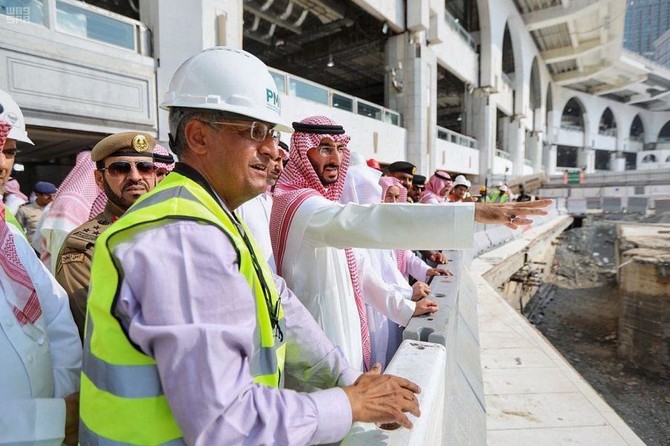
pixel 127 381
pixel 166 194
pixel 89 438
pixel 264 361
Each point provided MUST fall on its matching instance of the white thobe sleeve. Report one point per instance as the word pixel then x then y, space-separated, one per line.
pixel 390 226
pixel 416 267
pixel 35 421
pixel 64 341
pixel 384 297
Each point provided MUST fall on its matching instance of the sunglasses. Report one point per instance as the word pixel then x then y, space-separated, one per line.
pixel 123 168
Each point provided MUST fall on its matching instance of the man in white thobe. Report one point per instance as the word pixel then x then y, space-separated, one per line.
pixel 311 232
pixel 40 350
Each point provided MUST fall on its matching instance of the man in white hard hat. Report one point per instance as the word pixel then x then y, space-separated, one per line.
pixel 460 190
pixel 12 115
pixel 501 194
pixel 39 347
pixel 189 334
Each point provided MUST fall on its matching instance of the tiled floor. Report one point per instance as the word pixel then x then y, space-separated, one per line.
pixel 533 395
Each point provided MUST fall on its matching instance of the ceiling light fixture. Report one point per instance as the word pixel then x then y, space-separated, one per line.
pixel 330 63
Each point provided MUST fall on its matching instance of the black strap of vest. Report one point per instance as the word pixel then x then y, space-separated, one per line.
pixel 273 310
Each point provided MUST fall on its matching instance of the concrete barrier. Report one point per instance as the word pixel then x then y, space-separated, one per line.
pixel 577 206
pixel 637 204
pixel 612 204
pixel 431 377
pixel 662 205
pixel 593 203
pixel 561 205
pixel 446 344
pixel 455 326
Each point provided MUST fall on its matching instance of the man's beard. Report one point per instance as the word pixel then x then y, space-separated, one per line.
pixel 327 181
pixel 118 199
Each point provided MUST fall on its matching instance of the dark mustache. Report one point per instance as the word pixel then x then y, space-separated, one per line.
pixel 337 166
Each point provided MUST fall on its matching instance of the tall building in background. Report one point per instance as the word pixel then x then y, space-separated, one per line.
pixel 646 21
pixel 662 49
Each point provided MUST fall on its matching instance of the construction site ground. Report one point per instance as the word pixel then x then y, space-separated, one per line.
pixel 578 315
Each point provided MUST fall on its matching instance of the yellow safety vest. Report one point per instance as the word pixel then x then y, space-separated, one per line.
pixel 11 219
pixel 498 197
pixel 121 400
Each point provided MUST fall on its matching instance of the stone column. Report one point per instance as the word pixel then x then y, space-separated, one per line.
pixel 411 89
pixel 483 121
pixel 209 22
pixel 517 144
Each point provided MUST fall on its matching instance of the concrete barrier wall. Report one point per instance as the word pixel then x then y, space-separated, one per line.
pixel 454 411
pixel 424 363
pixel 577 206
pixel 446 344
pixel 637 204
pixel 593 202
pixel 662 205
pixel 612 204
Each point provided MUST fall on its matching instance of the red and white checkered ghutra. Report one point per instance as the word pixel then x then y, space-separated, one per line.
pixel 23 301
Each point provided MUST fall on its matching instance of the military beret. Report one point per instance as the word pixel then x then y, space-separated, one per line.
pixel 44 187
pixel 402 166
pixel 419 180
pixel 124 143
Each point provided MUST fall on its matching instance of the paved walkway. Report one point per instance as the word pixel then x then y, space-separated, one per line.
pixel 533 395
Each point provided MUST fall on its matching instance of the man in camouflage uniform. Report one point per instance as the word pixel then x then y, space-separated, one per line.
pixel 125 170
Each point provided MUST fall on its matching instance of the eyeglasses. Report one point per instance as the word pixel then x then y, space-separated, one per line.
pixel 257 130
pixel 9 153
pixel 330 150
pixel 123 168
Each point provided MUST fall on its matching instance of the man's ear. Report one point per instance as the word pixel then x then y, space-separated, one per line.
pixel 97 174
pixel 196 134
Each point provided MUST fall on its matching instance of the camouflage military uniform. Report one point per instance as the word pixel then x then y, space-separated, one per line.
pixel 73 269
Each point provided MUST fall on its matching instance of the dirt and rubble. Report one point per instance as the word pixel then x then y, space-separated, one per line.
pixel 576 309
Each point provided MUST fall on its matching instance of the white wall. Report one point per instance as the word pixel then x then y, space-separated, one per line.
pixel 456 158
pixel 605 142
pixel 572 138
pixel 454 54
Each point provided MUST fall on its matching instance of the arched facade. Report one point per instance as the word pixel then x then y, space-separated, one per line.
pixel 664 133
pixel 607 125
pixel 574 115
pixel 636 132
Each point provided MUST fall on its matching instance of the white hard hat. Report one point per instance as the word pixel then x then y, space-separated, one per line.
pixel 503 188
pixel 227 79
pixel 11 113
pixel 460 180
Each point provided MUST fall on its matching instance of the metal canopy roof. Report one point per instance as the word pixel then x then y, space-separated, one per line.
pixel 581 42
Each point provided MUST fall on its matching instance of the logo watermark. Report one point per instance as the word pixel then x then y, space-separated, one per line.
pixel 17 14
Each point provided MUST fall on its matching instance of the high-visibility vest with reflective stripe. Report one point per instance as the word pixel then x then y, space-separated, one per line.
pixel 121 399
pixel 11 219
pixel 498 197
